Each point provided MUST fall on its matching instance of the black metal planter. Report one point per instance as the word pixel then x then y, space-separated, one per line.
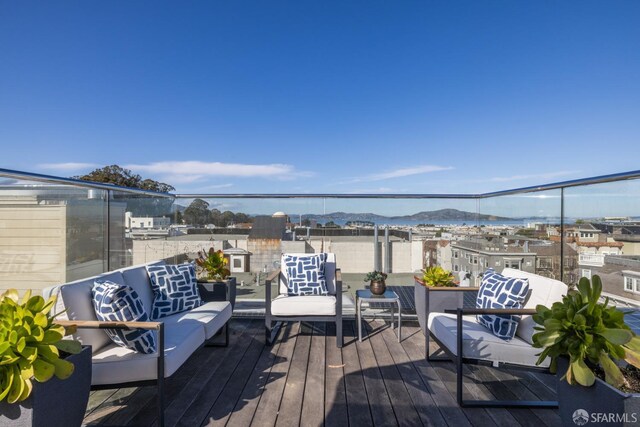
pixel 55 402
pixel 600 404
pixel 218 291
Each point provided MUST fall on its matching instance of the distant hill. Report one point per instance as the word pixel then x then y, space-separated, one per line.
pixel 437 215
pixel 448 214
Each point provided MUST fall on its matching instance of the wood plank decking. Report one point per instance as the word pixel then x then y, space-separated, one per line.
pixel 303 379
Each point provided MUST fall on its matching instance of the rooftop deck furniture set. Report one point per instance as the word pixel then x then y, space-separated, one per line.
pixel 177 335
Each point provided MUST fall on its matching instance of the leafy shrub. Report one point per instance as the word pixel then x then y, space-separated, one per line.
pixel 30 345
pixel 589 333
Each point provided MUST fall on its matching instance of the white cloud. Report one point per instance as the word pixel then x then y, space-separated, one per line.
pixel 193 170
pixel 549 175
pixel 69 166
pixel 402 172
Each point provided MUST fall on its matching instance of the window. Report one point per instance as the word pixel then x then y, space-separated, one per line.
pixel 545 262
pixel 456 267
pixel 628 284
pixel 512 263
pixel 237 263
pixel 456 253
pixel 475 259
pixel 586 273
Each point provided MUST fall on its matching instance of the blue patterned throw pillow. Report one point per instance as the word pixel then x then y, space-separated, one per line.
pixel 305 274
pixel 119 303
pixel 175 289
pixel 498 291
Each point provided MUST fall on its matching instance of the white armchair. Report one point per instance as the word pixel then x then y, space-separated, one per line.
pixel 311 308
pixel 465 340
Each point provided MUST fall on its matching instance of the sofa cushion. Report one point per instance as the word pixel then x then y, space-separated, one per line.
pixel 212 316
pixel 498 291
pixel 138 279
pixel 114 302
pixel 77 301
pixel 308 305
pixel 479 343
pixel 114 364
pixel 175 289
pixel 329 273
pixel 305 274
pixel 542 290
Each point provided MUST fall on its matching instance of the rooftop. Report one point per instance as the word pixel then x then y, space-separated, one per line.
pixel 304 380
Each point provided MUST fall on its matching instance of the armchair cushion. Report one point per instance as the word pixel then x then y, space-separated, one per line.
pixel 114 302
pixel 498 291
pixel 308 305
pixel 306 274
pixel 480 343
pixel 175 289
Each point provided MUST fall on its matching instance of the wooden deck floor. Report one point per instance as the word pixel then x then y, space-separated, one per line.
pixel 305 380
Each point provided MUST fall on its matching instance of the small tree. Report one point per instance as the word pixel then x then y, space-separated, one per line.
pixel 117 175
pixel 197 213
pixel 137 205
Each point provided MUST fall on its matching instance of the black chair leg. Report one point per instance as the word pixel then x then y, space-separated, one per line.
pixel 212 343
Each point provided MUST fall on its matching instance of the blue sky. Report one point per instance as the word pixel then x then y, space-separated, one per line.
pixel 323 97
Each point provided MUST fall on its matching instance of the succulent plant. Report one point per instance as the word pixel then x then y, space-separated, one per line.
pixel 589 333
pixel 213 263
pixel 30 345
pixel 375 276
pixel 437 276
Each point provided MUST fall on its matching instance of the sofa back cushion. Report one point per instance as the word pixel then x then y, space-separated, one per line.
pixel 138 279
pixel 543 290
pixel 329 272
pixel 77 301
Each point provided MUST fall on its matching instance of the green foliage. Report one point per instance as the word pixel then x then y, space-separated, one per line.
pixel 197 213
pixel 213 263
pixel 588 332
pixel 437 276
pixel 375 276
pixel 117 175
pixel 30 345
pixel 138 205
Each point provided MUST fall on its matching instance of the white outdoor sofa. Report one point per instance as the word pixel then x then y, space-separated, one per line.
pixel 179 335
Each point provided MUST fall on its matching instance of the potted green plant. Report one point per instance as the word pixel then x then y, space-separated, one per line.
pixel 44 379
pixel 436 290
pixel 376 280
pixel 589 343
pixel 214 283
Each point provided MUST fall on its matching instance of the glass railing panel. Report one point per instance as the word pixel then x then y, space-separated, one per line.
pixel 50 233
pixel 520 231
pixel 135 219
pixel 603 225
pixel 412 234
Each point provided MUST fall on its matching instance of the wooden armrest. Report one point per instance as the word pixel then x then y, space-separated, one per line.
pixel 273 276
pixel 97 324
pixel 446 288
pixel 472 311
